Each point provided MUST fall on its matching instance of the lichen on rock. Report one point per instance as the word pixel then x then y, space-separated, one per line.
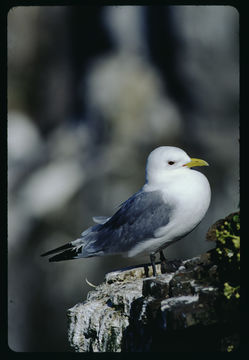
pixel 226 233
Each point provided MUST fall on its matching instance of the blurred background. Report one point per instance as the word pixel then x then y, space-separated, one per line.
pixel 91 92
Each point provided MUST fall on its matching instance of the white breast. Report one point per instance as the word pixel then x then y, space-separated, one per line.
pixel 189 196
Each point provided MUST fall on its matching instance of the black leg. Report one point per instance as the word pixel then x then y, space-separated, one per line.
pixel 146 270
pixel 152 260
pixel 163 262
pixel 162 257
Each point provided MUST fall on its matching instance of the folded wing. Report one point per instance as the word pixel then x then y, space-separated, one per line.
pixel 137 220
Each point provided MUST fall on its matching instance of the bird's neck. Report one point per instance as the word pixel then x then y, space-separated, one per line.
pixel 154 183
pixel 159 180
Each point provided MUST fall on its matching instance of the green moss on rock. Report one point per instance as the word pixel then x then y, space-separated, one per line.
pixel 226 255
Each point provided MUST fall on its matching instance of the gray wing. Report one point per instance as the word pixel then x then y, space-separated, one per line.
pixel 137 220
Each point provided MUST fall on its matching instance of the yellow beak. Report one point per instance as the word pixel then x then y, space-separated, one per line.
pixel 196 162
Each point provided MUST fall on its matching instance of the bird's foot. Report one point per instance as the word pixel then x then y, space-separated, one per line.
pixel 152 260
pixel 163 263
pixel 163 267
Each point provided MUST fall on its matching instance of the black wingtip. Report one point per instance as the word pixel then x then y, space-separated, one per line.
pixel 63 247
pixel 65 255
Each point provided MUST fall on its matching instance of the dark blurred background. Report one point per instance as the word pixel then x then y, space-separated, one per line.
pixel 91 91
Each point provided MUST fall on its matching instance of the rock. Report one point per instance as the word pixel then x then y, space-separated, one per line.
pixel 192 307
pixel 98 323
pixel 131 312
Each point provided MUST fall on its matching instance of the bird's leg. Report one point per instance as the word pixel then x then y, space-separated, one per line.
pixel 152 260
pixel 162 257
pixel 163 262
pixel 146 270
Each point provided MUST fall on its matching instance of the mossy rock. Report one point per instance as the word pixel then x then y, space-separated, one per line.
pixel 226 233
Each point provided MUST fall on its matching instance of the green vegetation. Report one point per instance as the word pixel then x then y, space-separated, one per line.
pixel 228 254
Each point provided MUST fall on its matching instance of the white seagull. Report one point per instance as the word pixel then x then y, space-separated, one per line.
pixel 172 202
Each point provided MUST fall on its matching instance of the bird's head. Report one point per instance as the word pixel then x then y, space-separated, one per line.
pixel 167 160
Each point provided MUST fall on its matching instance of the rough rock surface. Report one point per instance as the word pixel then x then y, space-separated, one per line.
pixel 132 311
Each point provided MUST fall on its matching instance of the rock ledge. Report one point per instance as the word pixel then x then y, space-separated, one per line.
pixel 134 311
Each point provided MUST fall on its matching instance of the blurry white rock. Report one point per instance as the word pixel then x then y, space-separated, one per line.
pixel 49 188
pixel 23 137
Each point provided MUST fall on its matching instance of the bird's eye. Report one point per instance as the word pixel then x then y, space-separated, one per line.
pixel 171 162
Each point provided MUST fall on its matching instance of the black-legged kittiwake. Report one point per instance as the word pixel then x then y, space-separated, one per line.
pixel 170 205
